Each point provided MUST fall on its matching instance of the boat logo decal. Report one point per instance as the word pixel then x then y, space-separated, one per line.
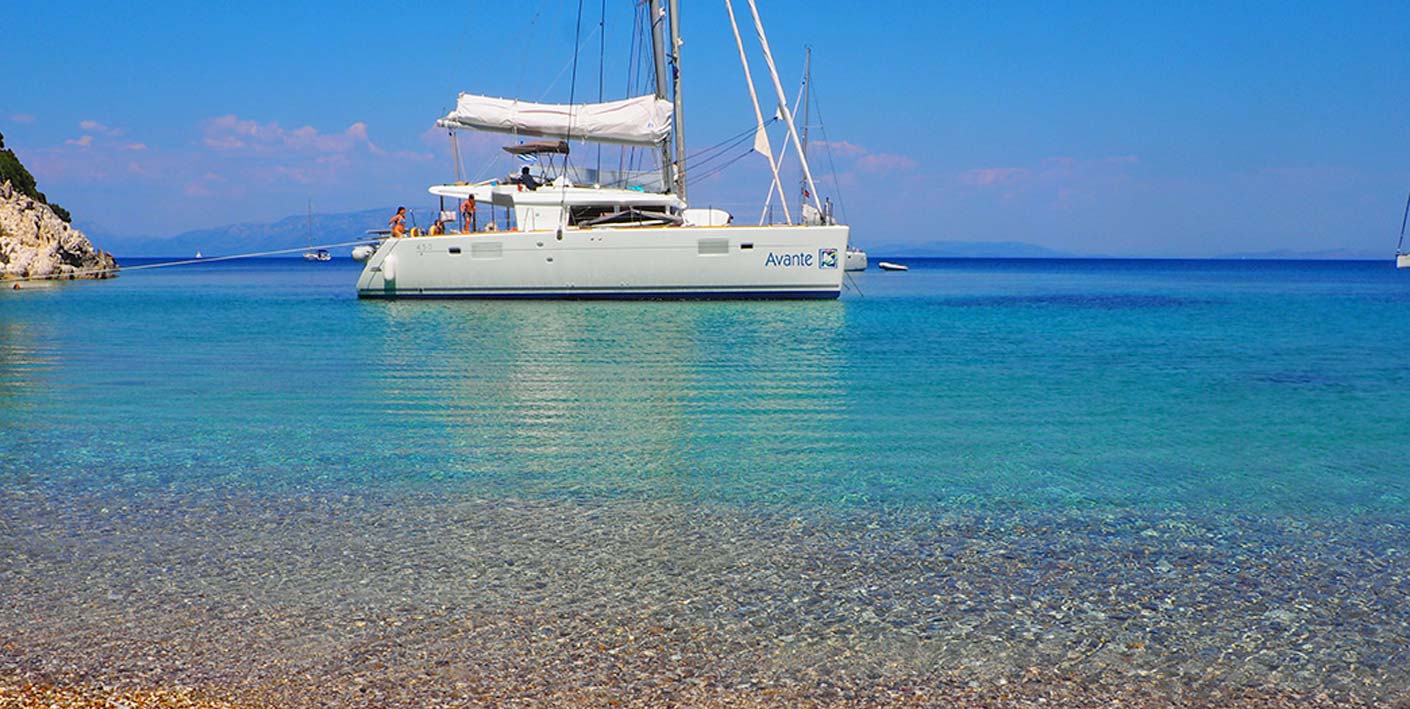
pixel 801 258
pixel 827 258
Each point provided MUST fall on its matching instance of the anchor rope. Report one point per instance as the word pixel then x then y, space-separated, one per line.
pixel 184 262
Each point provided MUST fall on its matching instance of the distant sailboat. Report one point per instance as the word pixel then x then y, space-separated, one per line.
pixel 854 258
pixel 1402 257
pixel 314 254
pixel 198 253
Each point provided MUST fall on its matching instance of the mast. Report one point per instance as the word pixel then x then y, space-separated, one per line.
pixel 677 114
pixel 782 100
pixel 658 52
pixel 1400 246
pixel 807 86
pixel 761 136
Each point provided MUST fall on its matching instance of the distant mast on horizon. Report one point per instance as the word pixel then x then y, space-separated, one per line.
pixel 1402 257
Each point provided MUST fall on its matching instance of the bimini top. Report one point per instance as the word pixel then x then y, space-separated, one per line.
pixel 538 147
pixel 644 120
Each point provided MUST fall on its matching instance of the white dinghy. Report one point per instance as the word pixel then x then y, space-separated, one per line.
pixel 888 266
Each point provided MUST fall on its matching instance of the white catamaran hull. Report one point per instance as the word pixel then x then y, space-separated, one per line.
pixel 1402 260
pixel 784 262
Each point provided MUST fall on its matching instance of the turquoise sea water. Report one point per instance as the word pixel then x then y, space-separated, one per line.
pixel 1050 410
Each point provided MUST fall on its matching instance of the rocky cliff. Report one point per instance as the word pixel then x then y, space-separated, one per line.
pixel 35 242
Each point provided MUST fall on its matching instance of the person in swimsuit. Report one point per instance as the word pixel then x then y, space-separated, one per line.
pixel 398 223
pixel 467 215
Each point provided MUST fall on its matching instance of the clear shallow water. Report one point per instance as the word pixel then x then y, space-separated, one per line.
pixel 971 429
pixel 1259 387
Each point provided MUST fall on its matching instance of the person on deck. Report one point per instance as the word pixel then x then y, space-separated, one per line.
pixel 438 228
pixel 398 223
pixel 468 222
pixel 528 180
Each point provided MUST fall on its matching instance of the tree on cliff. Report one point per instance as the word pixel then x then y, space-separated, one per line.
pixel 21 180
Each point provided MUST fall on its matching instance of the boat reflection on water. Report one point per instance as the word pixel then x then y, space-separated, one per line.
pixel 609 397
pixel 25 364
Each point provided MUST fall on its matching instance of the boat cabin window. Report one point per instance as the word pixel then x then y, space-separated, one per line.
pixel 588 216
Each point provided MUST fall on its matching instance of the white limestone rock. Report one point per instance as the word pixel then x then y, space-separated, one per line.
pixel 36 243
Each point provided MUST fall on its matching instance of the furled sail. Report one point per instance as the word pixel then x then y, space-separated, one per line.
pixel 645 120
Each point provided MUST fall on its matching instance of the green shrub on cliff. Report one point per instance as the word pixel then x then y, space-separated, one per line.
pixel 20 179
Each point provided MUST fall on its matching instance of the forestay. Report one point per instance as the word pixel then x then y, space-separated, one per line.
pixel 645 120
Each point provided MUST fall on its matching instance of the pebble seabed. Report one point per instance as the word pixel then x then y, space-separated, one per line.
pixel 224 600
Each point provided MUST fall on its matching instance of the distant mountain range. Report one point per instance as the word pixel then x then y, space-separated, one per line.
pixel 287 233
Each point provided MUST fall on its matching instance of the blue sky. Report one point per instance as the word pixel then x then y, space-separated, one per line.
pixel 1174 129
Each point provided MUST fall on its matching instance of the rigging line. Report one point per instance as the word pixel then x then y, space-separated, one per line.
pixel 631 81
pixel 836 184
pixel 777 184
pixel 721 168
pixel 519 80
pixel 601 71
pixel 706 161
pixel 853 281
pixel 572 113
pixel 486 167
pixel 1399 247
pixel 573 83
pixel 724 148
pixel 185 262
pixel 543 97
pixel 742 134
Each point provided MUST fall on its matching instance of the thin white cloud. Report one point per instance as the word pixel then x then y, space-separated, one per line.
pixel 991 176
pixel 203 186
pixel 82 141
pixel 838 148
pixel 92 126
pixel 230 133
pixel 22 117
pixel 1051 171
pixel 884 163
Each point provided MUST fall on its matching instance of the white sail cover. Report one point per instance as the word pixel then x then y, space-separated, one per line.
pixel 645 120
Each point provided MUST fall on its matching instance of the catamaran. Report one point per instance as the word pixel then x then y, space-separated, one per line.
pixel 568 232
